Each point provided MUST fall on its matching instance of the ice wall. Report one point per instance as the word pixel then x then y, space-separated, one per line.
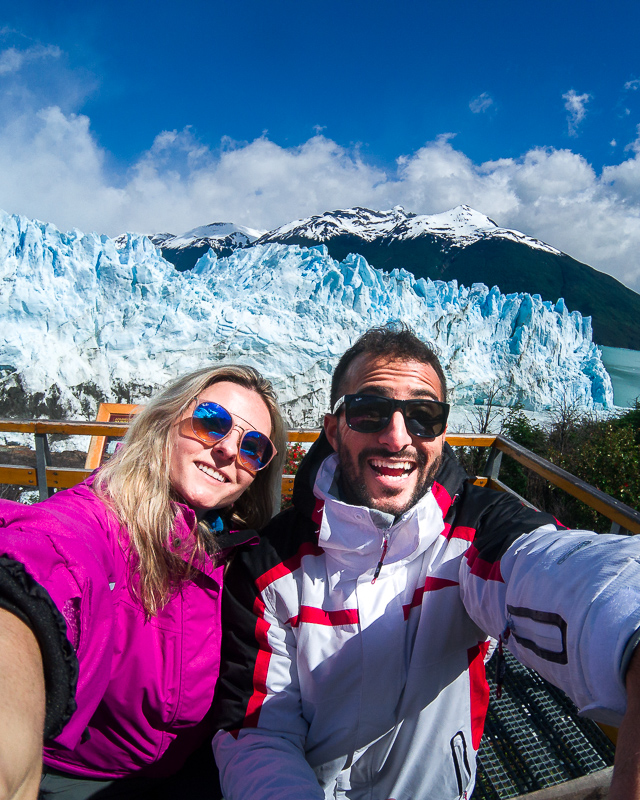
pixel 85 318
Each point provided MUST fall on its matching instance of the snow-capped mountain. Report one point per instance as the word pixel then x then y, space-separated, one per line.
pixel 457 228
pixel 185 249
pixel 460 244
pixel 465 245
pixel 86 318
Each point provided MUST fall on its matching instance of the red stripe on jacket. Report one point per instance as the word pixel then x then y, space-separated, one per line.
pixel 443 498
pixel 261 668
pixel 487 570
pixel 263 657
pixel 430 585
pixel 318 616
pixel 288 566
pixel 459 532
pixel 479 689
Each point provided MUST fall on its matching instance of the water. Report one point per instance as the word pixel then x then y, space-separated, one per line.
pixel 624 368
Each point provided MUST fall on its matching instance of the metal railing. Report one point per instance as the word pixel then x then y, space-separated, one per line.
pixel 47 478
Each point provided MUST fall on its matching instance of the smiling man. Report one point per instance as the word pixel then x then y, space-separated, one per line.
pixel 356 631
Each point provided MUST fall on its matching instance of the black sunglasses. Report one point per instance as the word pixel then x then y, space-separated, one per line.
pixel 370 413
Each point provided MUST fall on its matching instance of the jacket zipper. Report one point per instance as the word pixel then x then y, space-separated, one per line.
pixel 385 545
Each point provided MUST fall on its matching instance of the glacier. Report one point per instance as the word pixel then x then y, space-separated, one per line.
pixel 85 318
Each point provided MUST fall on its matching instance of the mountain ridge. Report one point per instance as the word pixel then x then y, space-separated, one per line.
pixel 467 246
pixel 460 244
pixel 183 250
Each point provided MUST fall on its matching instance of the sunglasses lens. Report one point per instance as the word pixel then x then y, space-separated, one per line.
pixel 425 418
pixel 368 414
pixel 256 450
pixel 210 422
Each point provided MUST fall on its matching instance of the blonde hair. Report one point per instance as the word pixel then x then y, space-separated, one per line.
pixel 135 484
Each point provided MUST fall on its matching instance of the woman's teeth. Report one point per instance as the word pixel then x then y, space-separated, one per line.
pixel 212 473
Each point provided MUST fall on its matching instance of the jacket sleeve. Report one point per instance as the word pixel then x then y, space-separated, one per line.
pixel 260 747
pixel 31 603
pixel 567 603
pixel 55 564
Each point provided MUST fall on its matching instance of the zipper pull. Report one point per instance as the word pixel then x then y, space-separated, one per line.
pixel 385 545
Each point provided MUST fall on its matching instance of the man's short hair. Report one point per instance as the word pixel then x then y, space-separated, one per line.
pixel 396 343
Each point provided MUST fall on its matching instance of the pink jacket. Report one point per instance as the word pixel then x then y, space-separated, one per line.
pixel 144 687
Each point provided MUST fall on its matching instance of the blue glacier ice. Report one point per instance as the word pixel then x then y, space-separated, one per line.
pixel 83 315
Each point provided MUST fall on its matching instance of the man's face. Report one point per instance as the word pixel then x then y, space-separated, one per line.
pixel 389 470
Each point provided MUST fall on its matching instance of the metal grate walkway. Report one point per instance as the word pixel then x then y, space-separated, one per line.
pixel 533 738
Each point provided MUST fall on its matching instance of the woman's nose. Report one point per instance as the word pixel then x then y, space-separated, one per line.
pixel 228 446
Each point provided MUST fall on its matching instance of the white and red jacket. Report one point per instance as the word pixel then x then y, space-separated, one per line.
pixel 336 685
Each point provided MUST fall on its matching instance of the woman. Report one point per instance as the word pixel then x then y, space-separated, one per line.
pixel 119 581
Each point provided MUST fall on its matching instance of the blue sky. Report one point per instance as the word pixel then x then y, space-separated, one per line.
pixel 165 115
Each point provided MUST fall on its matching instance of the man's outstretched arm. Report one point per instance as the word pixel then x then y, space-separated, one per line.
pixel 22 709
pixel 625 784
pixel 567 604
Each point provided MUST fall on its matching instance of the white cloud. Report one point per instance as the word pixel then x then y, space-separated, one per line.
pixel 635 145
pixel 633 85
pixel 481 103
pixel 575 104
pixel 12 59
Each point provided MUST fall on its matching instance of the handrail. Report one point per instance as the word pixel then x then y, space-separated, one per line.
pixel 63 477
pixel 73 428
pixel 611 508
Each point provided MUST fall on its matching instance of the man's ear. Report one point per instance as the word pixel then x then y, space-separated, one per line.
pixel 331 430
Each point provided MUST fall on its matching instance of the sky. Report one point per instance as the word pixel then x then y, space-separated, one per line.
pixel 163 116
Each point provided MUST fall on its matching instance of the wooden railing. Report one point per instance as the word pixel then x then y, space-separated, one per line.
pixel 48 478
pixel 624 519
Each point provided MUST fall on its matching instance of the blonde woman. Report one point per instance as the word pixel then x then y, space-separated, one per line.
pixel 110 593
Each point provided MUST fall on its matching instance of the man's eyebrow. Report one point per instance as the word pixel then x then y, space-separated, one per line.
pixel 413 394
pixel 380 391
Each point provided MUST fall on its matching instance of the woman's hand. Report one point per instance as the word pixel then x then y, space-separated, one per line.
pixel 625 784
pixel 22 708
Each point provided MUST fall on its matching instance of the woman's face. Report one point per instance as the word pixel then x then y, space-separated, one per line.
pixel 209 476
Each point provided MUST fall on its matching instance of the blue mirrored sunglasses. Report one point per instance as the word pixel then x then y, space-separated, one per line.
pixel 211 423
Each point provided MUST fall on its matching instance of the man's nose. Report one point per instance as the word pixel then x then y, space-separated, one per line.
pixel 395 436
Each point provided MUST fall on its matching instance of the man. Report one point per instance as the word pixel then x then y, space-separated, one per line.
pixel 353 665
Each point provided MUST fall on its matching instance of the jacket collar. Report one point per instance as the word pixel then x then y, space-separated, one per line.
pixel 353 536
pixel 227 540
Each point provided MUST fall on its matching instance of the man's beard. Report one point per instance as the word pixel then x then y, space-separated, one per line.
pixel 356 492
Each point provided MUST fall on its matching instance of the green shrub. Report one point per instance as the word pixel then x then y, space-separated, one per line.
pixel 605 455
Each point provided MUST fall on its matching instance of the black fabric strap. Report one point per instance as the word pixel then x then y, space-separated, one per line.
pixel 31 603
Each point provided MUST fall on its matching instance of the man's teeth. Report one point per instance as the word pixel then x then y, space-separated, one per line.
pixel 212 473
pixel 392 469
